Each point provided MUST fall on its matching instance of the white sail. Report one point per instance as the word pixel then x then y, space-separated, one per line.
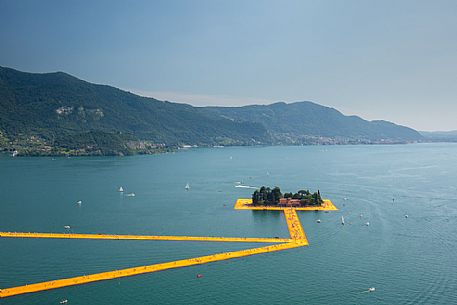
pixel 121 189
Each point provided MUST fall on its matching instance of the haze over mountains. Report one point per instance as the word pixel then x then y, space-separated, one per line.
pixel 56 113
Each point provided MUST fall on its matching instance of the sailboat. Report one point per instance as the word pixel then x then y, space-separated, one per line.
pixel 187 187
pixel 342 220
pixel 121 189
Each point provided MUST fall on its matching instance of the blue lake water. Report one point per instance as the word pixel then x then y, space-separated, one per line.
pixel 409 260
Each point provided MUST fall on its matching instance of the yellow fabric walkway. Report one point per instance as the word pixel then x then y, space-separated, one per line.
pixel 297 239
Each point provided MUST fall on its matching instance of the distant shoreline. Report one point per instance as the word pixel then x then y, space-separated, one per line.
pixel 173 149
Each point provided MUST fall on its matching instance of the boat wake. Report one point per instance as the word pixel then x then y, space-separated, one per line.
pixel 246 186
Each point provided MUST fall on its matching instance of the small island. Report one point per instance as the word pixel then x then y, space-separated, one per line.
pixel 266 196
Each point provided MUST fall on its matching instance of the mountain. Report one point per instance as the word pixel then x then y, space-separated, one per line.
pixel 307 123
pixel 58 114
pixel 58 110
pixel 440 136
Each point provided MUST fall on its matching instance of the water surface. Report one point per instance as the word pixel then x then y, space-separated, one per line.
pixel 409 260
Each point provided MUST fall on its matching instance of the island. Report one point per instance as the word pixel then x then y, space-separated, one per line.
pixel 266 196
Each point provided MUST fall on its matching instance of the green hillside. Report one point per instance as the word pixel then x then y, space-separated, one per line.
pixel 58 114
pixel 56 110
pixel 308 123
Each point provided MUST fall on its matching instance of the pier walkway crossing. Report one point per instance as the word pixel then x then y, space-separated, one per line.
pixel 297 239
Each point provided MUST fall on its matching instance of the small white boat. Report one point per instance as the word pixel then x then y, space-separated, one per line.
pixel 14 154
pixel 361 215
pixel 187 187
pixel 64 301
pixel 345 198
pixel 318 221
pixel 371 289
pixel 121 189
pixel 79 202
pixel 406 215
pixel 67 227
pixel 342 220
pixel 130 195
pixel 367 223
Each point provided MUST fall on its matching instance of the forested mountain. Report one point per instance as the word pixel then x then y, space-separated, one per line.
pixel 56 113
pixel 60 110
pixel 305 122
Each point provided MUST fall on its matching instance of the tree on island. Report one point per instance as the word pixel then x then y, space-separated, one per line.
pixel 272 197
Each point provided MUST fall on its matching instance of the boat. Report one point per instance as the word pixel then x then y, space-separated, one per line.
pixel 67 227
pixel 342 220
pixel 121 189
pixel 345 198
pixel 130 195
pixel 406 215
pixel 64 301
pixel 318 221
pixel 187 187
pixel 79 202
pixel 367 223
pixel 14 154
pixel 371 289
pixel 199 276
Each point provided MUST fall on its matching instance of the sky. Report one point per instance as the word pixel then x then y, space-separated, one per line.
pixel 391 60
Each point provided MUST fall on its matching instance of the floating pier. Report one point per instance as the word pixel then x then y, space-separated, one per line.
pixel 143 237
pixel 297 239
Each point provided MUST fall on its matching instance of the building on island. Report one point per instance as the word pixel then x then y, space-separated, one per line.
pixel 289 202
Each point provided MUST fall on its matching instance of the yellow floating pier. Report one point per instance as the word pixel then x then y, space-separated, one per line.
pixel 142 237
pixel 295 229
pixel 246 204
pixel 140 270
pixel 297 239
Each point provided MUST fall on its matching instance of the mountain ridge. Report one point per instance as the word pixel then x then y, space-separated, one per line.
pixel 58 114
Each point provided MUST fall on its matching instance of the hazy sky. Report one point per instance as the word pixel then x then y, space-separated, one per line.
pixel 393 60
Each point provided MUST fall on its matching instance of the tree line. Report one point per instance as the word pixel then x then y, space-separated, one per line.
pixel 272 196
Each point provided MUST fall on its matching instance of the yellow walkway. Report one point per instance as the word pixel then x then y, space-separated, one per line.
pixel 295 229
pixel 142 237
pixel 142 269
pixel 297 239
pixel 246 204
